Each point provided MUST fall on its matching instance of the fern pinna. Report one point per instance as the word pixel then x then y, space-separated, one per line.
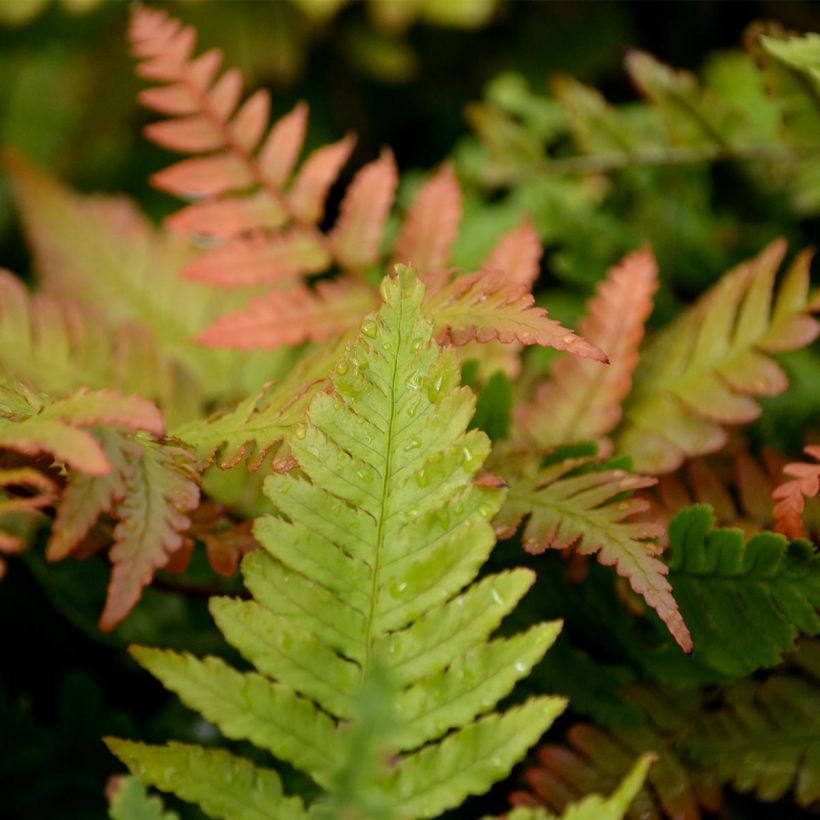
pixel 369 563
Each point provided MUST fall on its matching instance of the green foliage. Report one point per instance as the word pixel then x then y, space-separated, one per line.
pixel 383 581
pixel 180 396
pixel 766 583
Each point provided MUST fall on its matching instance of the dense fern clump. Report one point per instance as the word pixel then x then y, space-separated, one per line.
pixel 366 571
pixel 456 516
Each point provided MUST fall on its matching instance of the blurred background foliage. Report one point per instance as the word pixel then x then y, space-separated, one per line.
pixel 469 79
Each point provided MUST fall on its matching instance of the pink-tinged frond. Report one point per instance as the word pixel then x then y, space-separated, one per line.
pixel 208 176
pixel 432 224
pixel 258 258
pixel 86 497
pixel 56 427
pixel 356 237
pixel 76 448
pixel 87 408
pixel 704 371
pixel 582 400
pixel 517 254
pixel 485 306
pixel 293 316
pixel 586 512
pixel 278 155
pixel 152 517
pixel 791 495
pixel 229 216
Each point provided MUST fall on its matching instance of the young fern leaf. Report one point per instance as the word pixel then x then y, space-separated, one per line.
pixel 791 495
pixel 745 603
pixel 585 512
pixel 702 372
pixel 371 560
pixel 581 400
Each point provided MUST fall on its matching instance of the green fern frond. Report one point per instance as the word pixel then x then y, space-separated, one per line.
pixel 745 603
pixel 370 561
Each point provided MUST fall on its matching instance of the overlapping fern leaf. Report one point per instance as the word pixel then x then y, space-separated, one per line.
pixel 110 450
pixel 585 506
pixel 263 215
pixel 367 572
pixel 702 372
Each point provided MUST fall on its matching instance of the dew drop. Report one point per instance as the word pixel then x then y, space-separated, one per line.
pixel 413 444
pixel 300 431
pixel 386 345
pixel 422 479
pixel 435 388
pixel 520 666
pixel 496 597
pixel 416 344
pixel 485 510
pixel 369 328
pixel 342 367
pixel 568 340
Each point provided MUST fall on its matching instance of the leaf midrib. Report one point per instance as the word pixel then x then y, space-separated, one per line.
pixel 386 480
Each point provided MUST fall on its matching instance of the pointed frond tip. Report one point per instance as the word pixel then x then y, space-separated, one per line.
pixel 370 563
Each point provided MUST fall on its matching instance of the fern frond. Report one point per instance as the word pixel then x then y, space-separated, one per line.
pixel 485 306
pixel 791 495
pixel 243 169
pixel 745 603
pixel 581 400
pixel 704 370
pixel 586 511
pixel 370 560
